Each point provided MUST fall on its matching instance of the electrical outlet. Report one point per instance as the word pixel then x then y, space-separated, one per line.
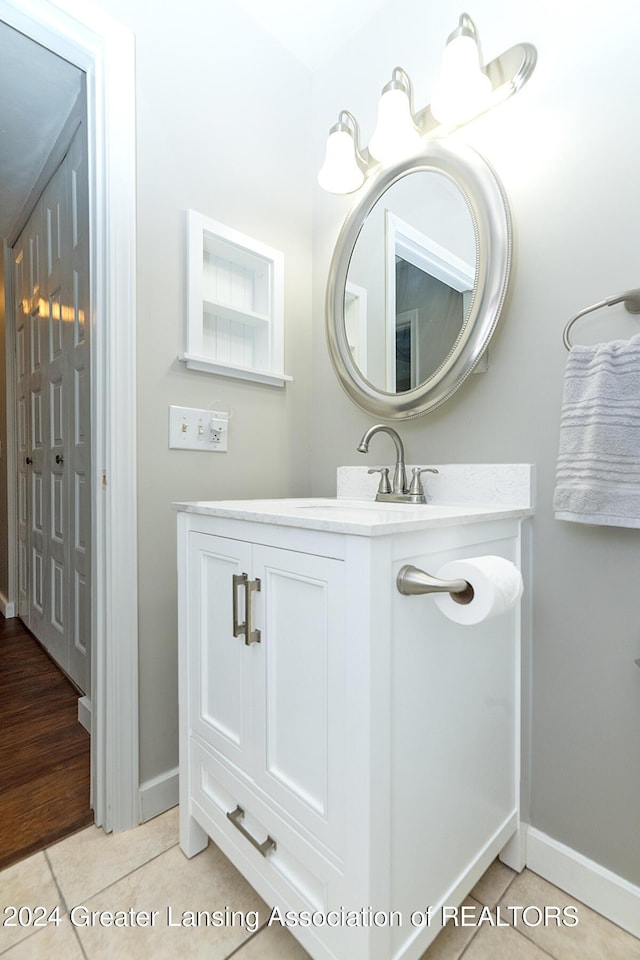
pixel 191 429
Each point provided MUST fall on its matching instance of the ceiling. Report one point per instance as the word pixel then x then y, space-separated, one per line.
pixel 312 32
pixel 37 92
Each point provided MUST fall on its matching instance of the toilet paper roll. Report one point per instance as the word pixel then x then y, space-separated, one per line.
pixel 497 587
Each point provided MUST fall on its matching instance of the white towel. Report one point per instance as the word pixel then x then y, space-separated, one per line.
pixel 598 475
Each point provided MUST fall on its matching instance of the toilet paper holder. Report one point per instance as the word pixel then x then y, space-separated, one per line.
pixel 412 582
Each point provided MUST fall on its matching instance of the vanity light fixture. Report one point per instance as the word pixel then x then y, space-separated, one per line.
pixel 465 90
pixel 344 166
pixel 396 133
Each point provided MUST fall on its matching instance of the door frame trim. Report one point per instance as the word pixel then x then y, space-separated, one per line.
pixel 86 36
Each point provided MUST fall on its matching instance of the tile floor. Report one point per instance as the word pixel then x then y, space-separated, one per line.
pixel 145 868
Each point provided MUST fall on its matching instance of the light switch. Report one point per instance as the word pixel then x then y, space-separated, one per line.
pixel 191 429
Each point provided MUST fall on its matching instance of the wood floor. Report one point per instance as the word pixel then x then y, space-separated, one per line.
pixel 44 751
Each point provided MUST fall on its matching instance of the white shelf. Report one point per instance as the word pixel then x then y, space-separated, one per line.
pixel 207 365
pixel 235 309
pixel 236 315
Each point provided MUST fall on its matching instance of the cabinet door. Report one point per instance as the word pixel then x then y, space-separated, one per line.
pixel 220 666
pixel 300 691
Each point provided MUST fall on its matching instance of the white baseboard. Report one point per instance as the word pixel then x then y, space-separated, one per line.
pixel 586 880
pixel 514 854
pixel 84 713
pixel 8 610
pixel 159 794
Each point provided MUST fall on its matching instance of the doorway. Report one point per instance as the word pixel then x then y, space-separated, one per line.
pixel 103 51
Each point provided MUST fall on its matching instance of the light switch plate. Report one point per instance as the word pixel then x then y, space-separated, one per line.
pixel 191 429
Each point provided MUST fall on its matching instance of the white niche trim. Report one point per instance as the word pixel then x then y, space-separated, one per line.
pixel 235 304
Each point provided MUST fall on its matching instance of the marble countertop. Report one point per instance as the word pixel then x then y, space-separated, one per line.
pixel 360 517
pixel 457 493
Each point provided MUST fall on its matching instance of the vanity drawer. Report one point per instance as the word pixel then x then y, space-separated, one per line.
pixel 298 872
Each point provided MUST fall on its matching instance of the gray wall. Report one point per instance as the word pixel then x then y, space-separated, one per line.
pixel 215 98
pixel 566 149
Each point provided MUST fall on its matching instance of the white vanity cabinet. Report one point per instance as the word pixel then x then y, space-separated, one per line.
pixel 269 706
pixel 358 758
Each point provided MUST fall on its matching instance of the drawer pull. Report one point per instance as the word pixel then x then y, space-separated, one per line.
pixel 245 629
pixel 236 816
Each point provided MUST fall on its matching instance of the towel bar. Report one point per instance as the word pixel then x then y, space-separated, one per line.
pixel 412 582
pixel 630 298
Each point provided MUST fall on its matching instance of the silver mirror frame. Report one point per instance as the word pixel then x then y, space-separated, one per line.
pixel 491 217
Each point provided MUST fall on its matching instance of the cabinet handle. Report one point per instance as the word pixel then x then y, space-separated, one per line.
pixel 246 629
pixel 236 816
pixel 239 580
pixel 252 634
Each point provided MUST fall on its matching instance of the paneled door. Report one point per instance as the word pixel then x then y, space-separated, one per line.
pixel 51 286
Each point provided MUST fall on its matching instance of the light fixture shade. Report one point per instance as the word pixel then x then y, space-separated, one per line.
pixel 464 89
pixel 396 134
pixel 341 172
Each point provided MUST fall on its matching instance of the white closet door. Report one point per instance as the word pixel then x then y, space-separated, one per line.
pixel 52 331
pixel 36 398
pixel 78 456
pixel 23 413
pixel 56 379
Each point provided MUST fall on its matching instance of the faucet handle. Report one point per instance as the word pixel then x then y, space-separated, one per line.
pixel 384 485
pixel 416 488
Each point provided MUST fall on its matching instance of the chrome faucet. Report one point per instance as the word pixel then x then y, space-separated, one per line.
pixel 400 474
pixel 400 492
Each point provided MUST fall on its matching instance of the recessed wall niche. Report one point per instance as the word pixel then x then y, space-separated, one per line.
pixel 235 304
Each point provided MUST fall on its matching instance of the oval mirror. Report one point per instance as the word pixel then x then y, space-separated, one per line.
pixel 417 281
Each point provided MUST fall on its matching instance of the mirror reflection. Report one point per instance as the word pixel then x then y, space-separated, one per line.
pixel 410 280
